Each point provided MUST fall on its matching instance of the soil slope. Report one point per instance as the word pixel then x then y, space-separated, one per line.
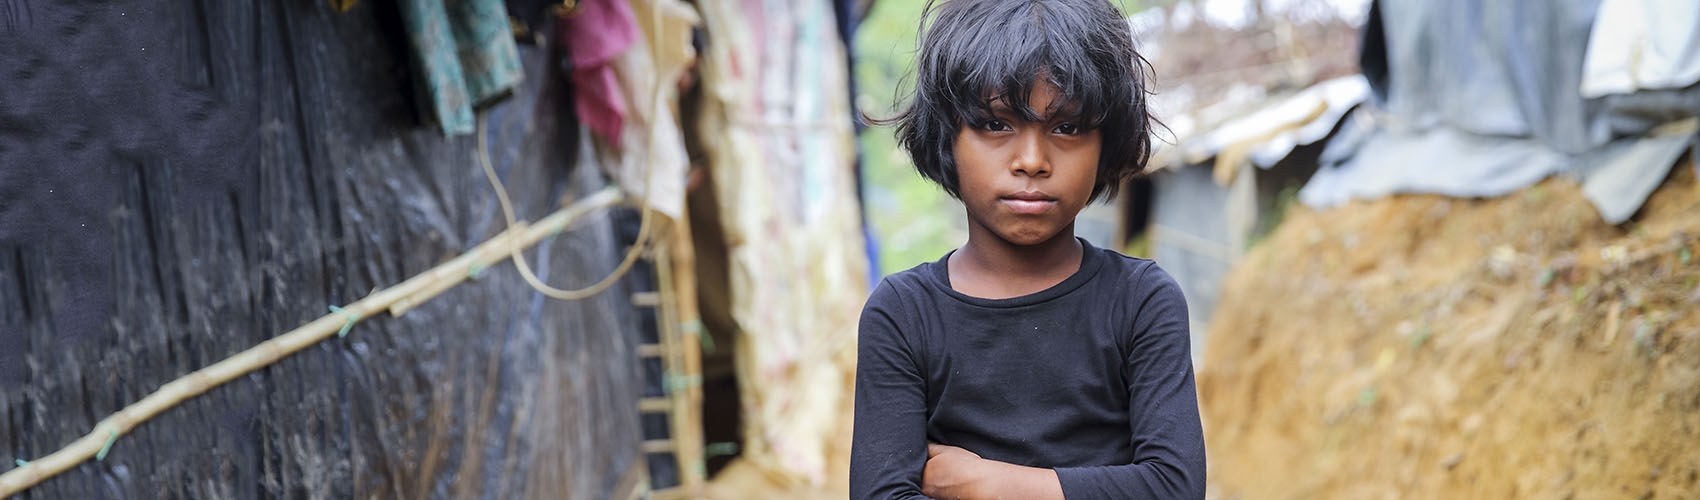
pixel 1427 347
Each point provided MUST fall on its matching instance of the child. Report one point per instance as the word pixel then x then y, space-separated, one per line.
pixel 1026 364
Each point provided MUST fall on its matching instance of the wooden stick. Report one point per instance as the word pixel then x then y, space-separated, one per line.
pixel 446 276
pixel 685 423
pixel 682 281
pixel 415 290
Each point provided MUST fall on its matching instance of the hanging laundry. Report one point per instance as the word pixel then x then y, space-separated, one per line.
pixel 649 159
pixel 594 34
pixel 489 59
pixel 464 56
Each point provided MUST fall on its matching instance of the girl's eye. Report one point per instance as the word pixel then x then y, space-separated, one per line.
pixel 994 126
pixel 1067 129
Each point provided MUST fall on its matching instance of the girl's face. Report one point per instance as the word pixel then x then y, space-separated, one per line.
pixel 1024 181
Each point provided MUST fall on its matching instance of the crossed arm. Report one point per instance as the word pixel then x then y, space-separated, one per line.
pixel 957 474
pixel 954 473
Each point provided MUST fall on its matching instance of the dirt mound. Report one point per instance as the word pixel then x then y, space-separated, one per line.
pixel 1427 347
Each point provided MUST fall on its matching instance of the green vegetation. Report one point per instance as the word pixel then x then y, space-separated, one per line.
pixel 912 220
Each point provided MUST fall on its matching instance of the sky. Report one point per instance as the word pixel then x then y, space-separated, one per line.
pixel 1235 13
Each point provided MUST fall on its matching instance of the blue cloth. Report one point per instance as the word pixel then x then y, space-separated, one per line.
pixel 464 56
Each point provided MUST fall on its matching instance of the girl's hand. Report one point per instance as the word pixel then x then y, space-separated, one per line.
pixel 954 473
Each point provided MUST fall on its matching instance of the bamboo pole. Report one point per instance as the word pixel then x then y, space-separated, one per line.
pixel 681 344
pixel 688 328
pixel 683 378
pixel 415 290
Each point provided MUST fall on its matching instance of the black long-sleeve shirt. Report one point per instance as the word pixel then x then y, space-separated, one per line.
pixel 1091 377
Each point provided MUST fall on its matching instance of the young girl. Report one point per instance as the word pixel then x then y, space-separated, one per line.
pixel 1027 364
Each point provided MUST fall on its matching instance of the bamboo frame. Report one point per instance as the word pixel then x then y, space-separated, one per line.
pixel 397 300
pixel 678 277
pixel 675 271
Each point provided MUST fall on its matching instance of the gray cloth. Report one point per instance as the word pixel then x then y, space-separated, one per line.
pixel 1498 68
pixel 1484 98
pixel 1442 160
pixel 1628 171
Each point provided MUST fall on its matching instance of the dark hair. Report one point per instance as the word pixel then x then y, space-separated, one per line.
pixel 975 53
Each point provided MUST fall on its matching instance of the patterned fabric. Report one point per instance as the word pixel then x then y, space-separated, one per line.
pixel 464 57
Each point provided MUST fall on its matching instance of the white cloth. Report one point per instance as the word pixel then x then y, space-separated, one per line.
pixel 1642 44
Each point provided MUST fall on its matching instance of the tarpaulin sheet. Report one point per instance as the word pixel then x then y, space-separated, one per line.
pixel 181 180
pixel 1267 135
pixel 1642 44
pixel 1442 160
pixel 1485 97
pixel 1628 171
pixel 1498 68
pixel 776 127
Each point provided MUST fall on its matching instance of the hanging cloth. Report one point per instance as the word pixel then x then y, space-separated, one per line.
pixel 464 56
pixel 595 34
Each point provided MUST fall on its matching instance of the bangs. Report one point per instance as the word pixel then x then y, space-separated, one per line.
pixel 999 53
pixel 981 58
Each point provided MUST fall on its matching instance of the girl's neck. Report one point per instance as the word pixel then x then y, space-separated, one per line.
pixel 989 267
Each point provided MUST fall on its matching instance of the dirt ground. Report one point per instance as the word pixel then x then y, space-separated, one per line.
pixel 1426 347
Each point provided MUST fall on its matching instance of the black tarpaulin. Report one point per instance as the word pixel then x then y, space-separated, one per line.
pixel 182 180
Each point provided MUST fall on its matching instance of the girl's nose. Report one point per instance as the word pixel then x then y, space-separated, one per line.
pixel 1029 157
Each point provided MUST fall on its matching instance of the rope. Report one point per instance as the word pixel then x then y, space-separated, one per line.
pixel 348 323
pixel 519 260
pixel 111 437
pixel 643 204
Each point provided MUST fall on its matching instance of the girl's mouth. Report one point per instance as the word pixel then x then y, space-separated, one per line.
pixel 1028 202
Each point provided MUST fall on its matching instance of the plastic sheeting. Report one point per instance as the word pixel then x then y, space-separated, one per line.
pixel 776 127
pixel 1628 171
pixel 1642 44
pixel 1491 67
pixel 1442 160
pixel 1270 134
pixel 181 180
pixel 1484 98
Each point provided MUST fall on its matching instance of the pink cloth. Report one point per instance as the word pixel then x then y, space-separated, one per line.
pixel 593 35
